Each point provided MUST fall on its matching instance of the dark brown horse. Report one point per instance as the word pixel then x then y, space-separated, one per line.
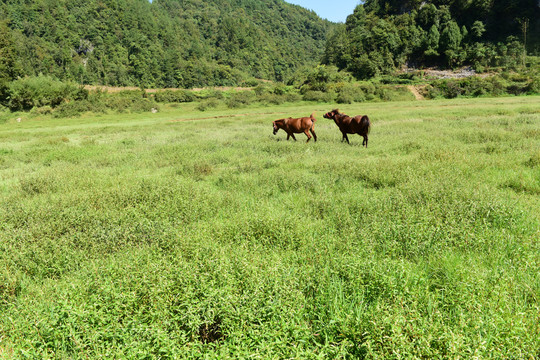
pixel 350 125
pixel 295 126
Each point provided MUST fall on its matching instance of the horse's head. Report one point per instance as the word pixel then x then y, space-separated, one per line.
pixel 331 114
pixel 275 126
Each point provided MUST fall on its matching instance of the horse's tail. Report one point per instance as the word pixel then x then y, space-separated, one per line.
pixel 312 117
pixel 366 122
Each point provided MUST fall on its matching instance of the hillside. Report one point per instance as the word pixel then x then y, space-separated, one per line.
pixel 384 35
pixel 166 43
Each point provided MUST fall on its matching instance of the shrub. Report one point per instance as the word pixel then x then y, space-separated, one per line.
pixel 239 99
pixel 143 105
pixel 476 86
pixel 76 108
pixel 516 89
pixel 293 97
pixel 262 89
pixel 497 85
pixel 322 78
pixel 128 100
pixel 368 89
pixel 209 94
pixel 280 89
pixel 207 104
pixel 271 99
pixel 44 110
pixel 118 103
pixel 41 91
pixel 250 83
pixel 533 87
pixel 349 94
pixel 176 96
pixel 319 96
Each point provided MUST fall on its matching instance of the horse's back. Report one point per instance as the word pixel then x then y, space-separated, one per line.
pixel 362 123
pixel 307 122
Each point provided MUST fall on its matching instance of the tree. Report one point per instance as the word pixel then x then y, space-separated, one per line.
pixel 9 67
pixel 478 29
pixel 450 42
pixel 432 41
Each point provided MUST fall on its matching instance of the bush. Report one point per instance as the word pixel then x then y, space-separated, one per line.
pixel 322 78
pixel 250 83
pixel 76 108
pixel 120 104
pixel 293 97
pixel 143 105
pixel 349 94
pixel 281 89
pixel 476 86
pixel 29 92
pixel 207 104
pixel 368 89
pixel 239 99
pixel 44 110
pixel 209 94
pixel 271 99
pixel 128 100
pixel 262 89
pixel 176 96
pixel 319 96
pixel 534 87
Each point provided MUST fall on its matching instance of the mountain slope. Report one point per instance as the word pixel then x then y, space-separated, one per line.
pixel 384 35
pixel 170 43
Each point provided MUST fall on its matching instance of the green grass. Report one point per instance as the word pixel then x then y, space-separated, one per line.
pixel 129 236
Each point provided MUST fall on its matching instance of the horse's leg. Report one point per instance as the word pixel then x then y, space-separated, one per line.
pixel 293 137
pixel 288 136
pixel 313 133
pixel 346 138
pixel 307 134
pixel 365 140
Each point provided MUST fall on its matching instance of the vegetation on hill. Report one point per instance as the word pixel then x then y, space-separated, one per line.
pixel 193 43
pixel 166 43
pixel 383 35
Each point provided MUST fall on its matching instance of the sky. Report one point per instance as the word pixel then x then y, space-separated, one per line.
pixel 333 10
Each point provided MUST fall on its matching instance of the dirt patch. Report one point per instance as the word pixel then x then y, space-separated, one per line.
pixel 211 333
pixel 415 92
pixel 464 72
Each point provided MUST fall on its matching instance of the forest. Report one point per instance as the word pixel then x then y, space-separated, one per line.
pixel 166 43
pixel 384 35
pixel 195 43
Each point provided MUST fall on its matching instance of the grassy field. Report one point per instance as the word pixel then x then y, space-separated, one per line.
pixel 187 234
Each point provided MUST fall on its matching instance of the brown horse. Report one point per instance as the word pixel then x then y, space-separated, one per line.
pixel 296 125
pixel 350 125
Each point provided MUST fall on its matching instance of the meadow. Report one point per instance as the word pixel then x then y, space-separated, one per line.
pixel 186 234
